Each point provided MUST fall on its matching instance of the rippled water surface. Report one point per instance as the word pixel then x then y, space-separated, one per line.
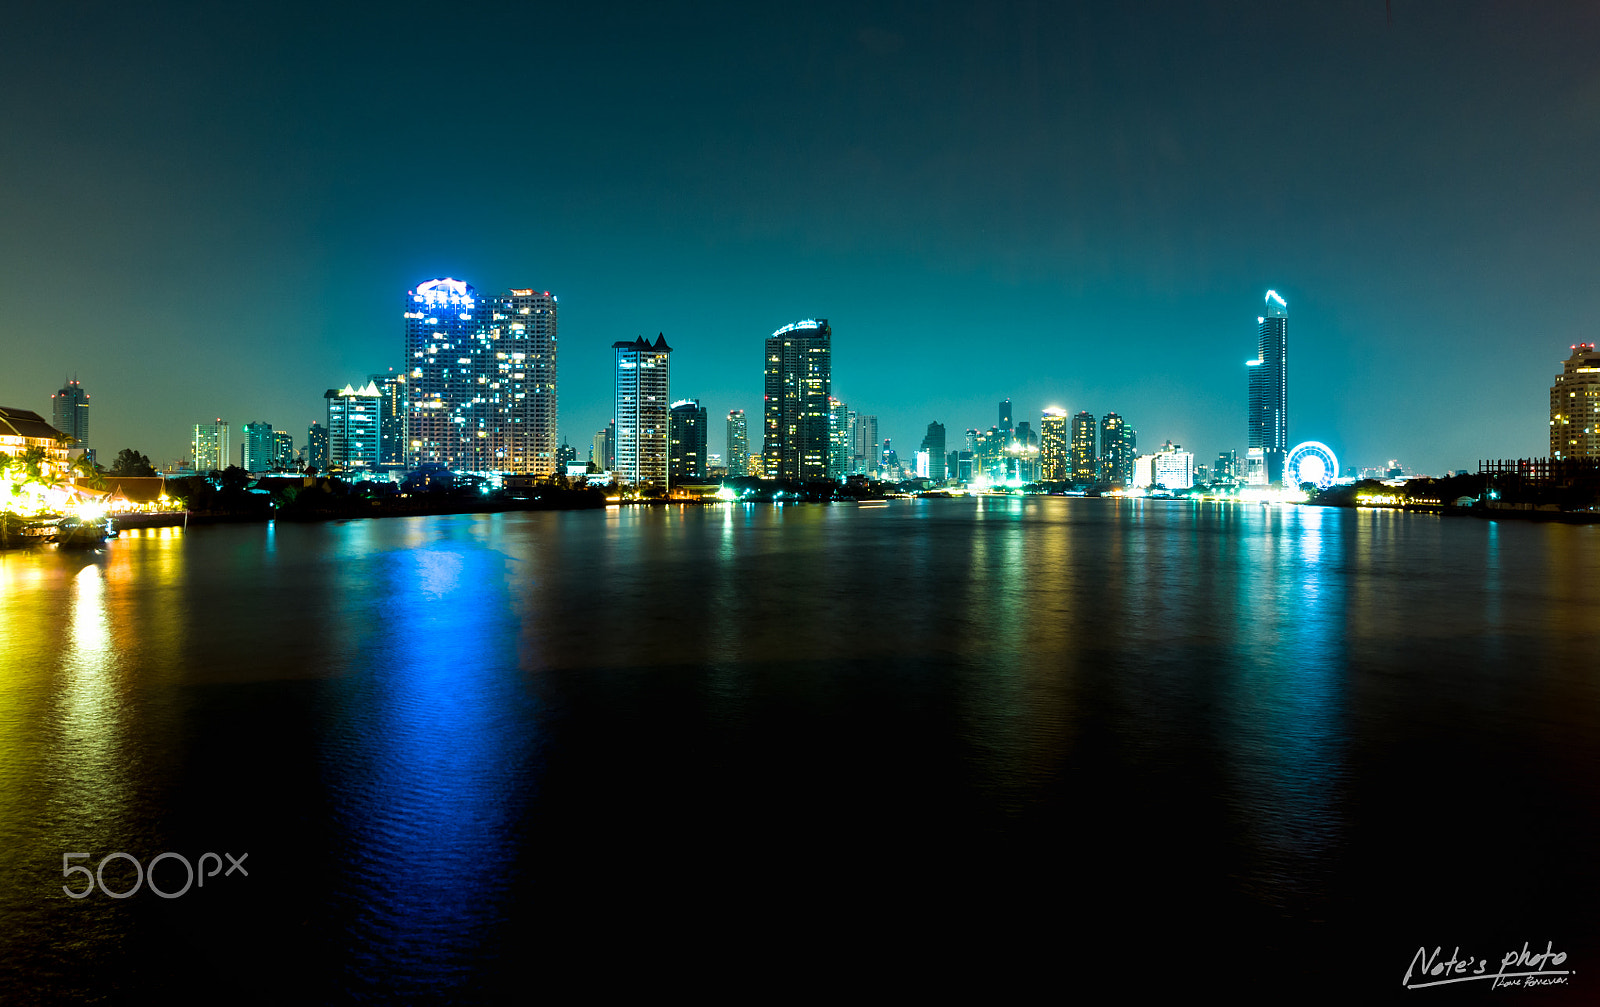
pixel 939 744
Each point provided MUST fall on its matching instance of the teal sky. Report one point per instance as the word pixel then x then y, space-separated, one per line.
pixel 213 212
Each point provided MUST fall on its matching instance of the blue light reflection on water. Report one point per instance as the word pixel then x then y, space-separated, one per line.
pixel 430 749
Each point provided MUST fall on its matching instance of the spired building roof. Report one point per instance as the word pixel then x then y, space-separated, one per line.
pixel 26 424
pixel 643 344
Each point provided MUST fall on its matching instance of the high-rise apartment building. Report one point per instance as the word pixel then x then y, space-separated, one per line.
pixel 391 418
pixel 864 445
pixel 1118 450
pixel 604 451
pixel 838 438
pixel 642 408
pixel 686 442
pixel 1574 406
pixel 933 444
pixel 1085 468
pixel 317 446
pixel 1268 419
pixel 354 426
pixel 210 446
pixel 480 388
pixel 1172 467
pixel 260 447
pixel 799 385
pixel 69 410
pixel 282 450
pixel 1054 459
pixel 738 452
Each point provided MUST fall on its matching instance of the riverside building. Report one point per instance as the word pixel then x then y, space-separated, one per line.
pixel 796 410
pixel 1575 406
pixel 1268 411
pixel 480 379
pixel 642 410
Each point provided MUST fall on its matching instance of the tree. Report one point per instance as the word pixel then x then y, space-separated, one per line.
pixel 131 463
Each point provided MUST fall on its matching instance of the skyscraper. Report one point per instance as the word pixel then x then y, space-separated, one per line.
pixel 604 451
pixel 1268 419
pixel 1005 415
pixel 70 413
pixel 481 378
pixel 354 427
pixel 864 445
pixel 1117 451
pixel 391 418
pixel 738 444
pixel 282 450
pixel 641 448
pixel 1054 461
pixel 317 446
pixel 686 442
pixel 260 447
pixel 1574 406
pixel 1084 458
pixel 210 446
pixel 933 444
pixel 799 383
pixel 838 438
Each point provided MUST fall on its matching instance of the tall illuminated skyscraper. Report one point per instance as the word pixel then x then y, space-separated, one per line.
pixel 1574 406
pixel 480 386
pixel 686 442
pixel 738 452
pixel 933 444
pixel 70 414
pixel 1084 457
pixel 799 384
pixel 642 410
pixel 355 430
pixel 210 446
pixel 1118 450
pixel 1054 461
pixel 1268 418
pixel 260 447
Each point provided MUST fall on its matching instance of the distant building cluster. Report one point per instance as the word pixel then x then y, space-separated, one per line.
pixel 476 392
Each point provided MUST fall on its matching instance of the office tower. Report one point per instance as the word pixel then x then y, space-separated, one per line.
pixel 933 444
pixel 1227 467
pixel 480 391
pixel 738 451
pixel 963 466
pixel 354 427
pixel 641 445
pixel 989 454
pixel 952 465
pixel 838 438
pixel 604 452
pixel 1574 406
pixel 1172 467
pixel 1005 415
pixel 282 450
pixel 1022 454
pixel 317 447
pixel 70 414
pixel 889 463
pixel 391 418
pixel 1054 459
pixel 1268 419
pixel 1085 468
pixel 566 455
pixel 864 445
pixel 1117 450
pixel 210 446
pixel 260 447
pixel 799 384
pixel 686 442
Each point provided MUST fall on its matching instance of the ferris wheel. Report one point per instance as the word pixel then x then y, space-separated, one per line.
pixel 1311 462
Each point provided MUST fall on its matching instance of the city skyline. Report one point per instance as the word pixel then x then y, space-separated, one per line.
pixel 1353 187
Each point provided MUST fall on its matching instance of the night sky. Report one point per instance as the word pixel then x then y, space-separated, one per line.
pixel 216 211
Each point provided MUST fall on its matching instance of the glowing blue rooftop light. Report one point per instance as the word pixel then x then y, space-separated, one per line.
pixel 809 323
pixel 446 291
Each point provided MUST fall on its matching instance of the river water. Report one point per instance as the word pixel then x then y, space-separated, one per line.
pixel 965 745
